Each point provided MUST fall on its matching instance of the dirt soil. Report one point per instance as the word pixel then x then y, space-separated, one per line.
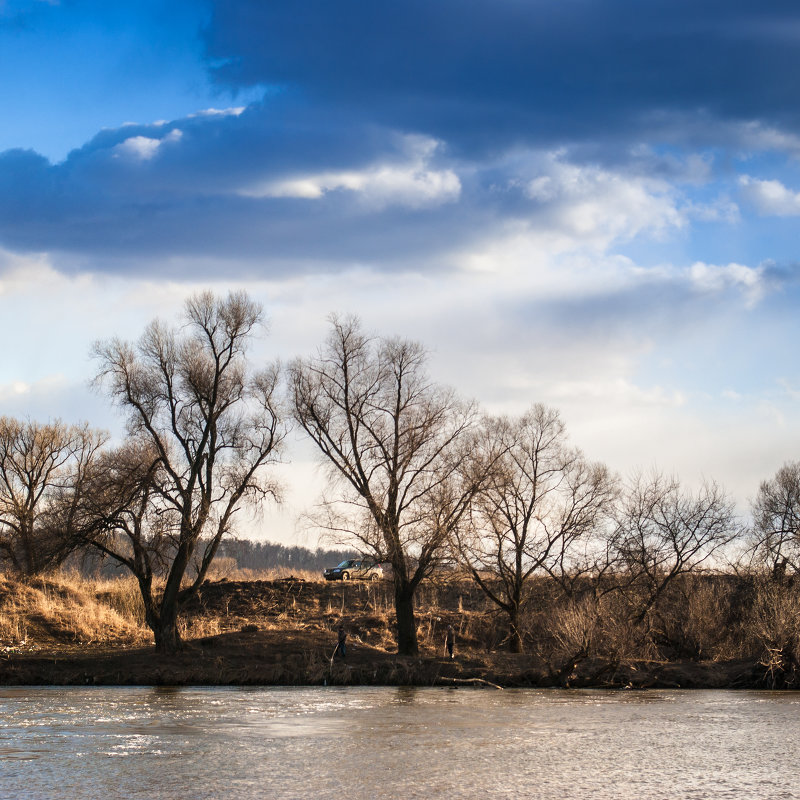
pixel 284 633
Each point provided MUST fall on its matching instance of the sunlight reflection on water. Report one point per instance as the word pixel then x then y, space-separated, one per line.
pixel 386 743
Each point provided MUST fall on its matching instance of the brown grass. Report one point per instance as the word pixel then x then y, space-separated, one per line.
pixel 702 619
pixel 263 622
pixel 64 607
pixel 226 569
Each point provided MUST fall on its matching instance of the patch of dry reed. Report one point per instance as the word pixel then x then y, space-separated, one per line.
pixel 68 608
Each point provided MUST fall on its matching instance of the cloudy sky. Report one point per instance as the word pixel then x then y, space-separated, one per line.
pixel 588 203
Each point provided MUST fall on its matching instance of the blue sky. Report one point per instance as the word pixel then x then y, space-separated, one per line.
pixel 588 204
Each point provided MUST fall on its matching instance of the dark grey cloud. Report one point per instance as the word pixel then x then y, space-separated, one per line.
pixel 485 73
pixel 174 191
pixel 349 82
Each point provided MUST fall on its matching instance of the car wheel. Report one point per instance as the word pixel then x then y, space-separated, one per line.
pixel 374 576
pixel 345 576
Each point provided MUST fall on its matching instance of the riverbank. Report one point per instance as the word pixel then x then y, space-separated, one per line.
pixel 283 632
pixel 295 657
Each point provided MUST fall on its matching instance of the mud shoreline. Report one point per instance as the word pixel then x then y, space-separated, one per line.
pixel 303 658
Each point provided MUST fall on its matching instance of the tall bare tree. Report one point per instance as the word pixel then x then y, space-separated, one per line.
pixel 541 500
pixel 204 427
pixel 776 519
pixel 663 531
pixel 398 451
pixel 42 472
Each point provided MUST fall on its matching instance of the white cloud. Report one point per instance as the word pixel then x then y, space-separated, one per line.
pixel 771 197
pixel 718 278
pixel 378 187
pixel 566 238
pixel 587 206
pixel 145 148
pixel 412 183
pixel 14 388
pixel 234 111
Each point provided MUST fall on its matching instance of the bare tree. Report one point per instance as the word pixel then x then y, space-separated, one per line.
pixel 540 502
pixel 776 521
pixel 663 532
pixel 122 518
pixel 398 452
pixel 203 427
pixel 42 471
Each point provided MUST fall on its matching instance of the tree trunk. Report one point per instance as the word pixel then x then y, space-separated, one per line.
pixel 162 621
pixel 515 643
pixel 165 630
pixel 29 565
pixel 168 640
pixel 406 622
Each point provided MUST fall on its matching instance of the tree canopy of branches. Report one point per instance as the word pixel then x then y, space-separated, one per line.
pixel 202 429
pixel 42 473
pixel 776 520
pixel 540 502
pixel 662 532
pixel 398 451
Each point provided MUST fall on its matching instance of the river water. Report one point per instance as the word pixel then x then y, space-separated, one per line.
pixel 377 743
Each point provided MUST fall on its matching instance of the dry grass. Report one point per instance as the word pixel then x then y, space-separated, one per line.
pixel 226 569
pixel 64 607
pixel 704 618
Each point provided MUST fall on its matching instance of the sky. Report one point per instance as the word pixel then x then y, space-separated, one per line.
pixel 591 204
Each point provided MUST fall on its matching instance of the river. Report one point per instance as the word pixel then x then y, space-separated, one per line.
pixel 112 743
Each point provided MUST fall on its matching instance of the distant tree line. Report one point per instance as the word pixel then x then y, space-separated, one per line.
pixel 244 554
pixel 257 556
pixel 419 479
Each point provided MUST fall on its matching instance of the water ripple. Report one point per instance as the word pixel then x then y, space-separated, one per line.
pixel 382 743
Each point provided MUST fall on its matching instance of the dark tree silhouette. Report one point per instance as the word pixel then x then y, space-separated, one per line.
pixel 42 473
pixel 203 428
pixel 398 451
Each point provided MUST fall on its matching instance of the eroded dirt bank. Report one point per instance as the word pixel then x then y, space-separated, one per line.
pixel 303 658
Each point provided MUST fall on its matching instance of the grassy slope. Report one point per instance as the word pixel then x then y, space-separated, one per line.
pixel 270 630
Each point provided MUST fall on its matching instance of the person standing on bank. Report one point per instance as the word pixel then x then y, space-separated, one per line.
pixel 449 641
pixel 341 646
